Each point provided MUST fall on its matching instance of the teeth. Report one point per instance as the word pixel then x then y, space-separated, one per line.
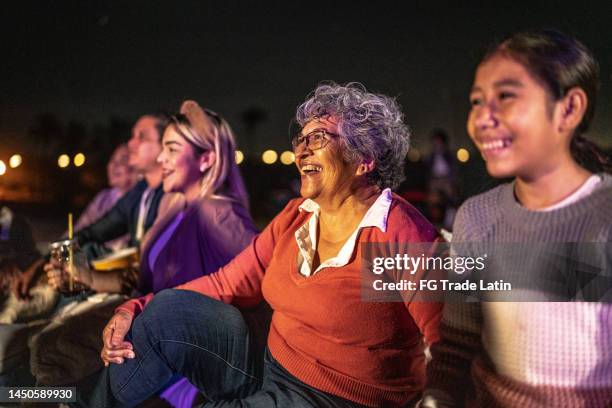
pixel 311 167
pixel 496 144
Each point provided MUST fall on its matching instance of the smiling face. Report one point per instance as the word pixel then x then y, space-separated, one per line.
pixel 513 121
pixel 181 171
pixel 324 172
pixel 144 145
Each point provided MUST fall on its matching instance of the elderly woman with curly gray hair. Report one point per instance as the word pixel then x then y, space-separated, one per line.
pixel 325 345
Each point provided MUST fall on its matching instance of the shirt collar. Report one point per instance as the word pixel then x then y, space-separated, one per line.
pixel 375 217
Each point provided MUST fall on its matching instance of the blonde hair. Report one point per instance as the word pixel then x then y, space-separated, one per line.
pixel 207 131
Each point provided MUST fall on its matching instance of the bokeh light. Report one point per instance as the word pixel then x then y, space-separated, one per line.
pixel 414 155
pixel 63 161
pixel 269 156
pixel 15 161
pixel 239 157
pixel 79 159
pixel 287 157
pixel 463 155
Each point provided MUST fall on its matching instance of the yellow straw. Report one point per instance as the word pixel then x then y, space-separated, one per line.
pixel 70 258
pixel 69 225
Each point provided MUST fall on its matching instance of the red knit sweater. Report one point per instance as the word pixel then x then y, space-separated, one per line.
pixel 321 330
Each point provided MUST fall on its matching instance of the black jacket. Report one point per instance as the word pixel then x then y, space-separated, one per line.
pixel 122 218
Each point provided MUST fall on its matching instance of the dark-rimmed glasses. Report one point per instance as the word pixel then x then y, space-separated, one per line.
pixel 315 140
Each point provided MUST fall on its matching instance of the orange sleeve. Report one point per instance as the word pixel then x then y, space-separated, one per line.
pixel 135 306
pixel 238 282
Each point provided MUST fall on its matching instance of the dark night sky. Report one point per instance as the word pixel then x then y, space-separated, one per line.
pixel 90 60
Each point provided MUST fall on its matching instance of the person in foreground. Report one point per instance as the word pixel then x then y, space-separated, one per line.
pixel 326 347
pixel 533 98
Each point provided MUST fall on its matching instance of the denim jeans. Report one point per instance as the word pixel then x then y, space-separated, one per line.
pixel 216 346
pixel 280 389
pixel 219 348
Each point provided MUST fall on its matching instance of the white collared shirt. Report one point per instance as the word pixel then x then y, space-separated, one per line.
pixel 306 235
pixel 143 209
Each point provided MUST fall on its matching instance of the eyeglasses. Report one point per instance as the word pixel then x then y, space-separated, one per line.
pixel 315 140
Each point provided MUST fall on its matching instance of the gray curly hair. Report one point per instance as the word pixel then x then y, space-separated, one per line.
pixel 371 126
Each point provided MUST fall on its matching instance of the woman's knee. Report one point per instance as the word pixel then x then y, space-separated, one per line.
pixel 163 303
pixel 166 306
pixel 172 311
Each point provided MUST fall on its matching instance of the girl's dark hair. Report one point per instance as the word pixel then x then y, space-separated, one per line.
pixel 561 62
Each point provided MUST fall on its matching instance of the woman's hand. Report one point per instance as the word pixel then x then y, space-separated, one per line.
pixel 59 276
pixel 116 349
pixel 54 274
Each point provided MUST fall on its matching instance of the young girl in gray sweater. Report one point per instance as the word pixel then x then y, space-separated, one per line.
pixel 532 99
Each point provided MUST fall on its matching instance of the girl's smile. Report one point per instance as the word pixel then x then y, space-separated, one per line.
pixel 513 121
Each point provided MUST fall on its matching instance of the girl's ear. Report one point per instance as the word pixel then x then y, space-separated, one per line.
pixel 364 167
pixel 573 107
pixel 207 160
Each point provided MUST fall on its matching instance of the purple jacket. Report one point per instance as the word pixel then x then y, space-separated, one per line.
pixel 210 234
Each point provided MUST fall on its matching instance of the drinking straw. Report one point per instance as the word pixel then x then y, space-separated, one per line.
pixel 70 254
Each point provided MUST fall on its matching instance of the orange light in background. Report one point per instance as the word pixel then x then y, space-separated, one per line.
pixel 269 156
pixel 463 155
pixel 15 161
pixel 414 155
pixel 63 161
pixel 239 157
pixel 287 157
pixel 2 168
pixel 79 159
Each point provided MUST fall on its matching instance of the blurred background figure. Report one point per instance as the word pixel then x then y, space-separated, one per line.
pixel 121 178
pixel 442 192
pixel 22 296
pixel 134 213
pixel 20 263
pixel 203 223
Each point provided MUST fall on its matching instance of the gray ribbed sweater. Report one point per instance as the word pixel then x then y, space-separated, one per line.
pixel 527 354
